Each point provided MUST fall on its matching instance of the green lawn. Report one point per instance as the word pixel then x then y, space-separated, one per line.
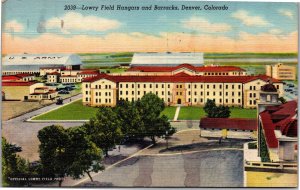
pixel 195 113
pixel 243 113
pixel 73 111
pixel 191 113
pixel 169 112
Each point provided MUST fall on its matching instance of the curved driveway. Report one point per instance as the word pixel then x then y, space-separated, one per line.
pixel 24 134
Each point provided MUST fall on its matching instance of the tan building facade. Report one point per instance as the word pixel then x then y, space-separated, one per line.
pixel 19 90
pixel 239 91
pixel 281 71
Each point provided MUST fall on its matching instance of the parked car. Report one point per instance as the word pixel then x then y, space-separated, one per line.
pixel 59 101
pixel 63 92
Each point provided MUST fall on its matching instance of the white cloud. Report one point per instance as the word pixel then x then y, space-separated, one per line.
pixel 249 20
pixel 203 25
pixel 13 26
pixel 76 21
pixel 275 31
pixel 286 13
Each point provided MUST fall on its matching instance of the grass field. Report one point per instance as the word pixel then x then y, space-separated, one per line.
pixel 73 111
pixel 195 113
pixel 77 111
pixel 169 112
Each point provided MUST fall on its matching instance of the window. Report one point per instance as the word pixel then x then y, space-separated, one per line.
pixel 144 85
pixel 201 100
pixel 239 86
pixel 132 85
pixel 96 86
pixel 254 102
pixel 214 93
pixel 233 86
pixel 156 93
pixel 195 93
pixel 86 92
pixel 96 100
pixel 250 87
pixel 254 87
pixel 169 93
pixel 138 92
pixel 86 86
pixel 96 93
pixel 86 99
pixel 162 85
pixel 214 86
pixel 207 93
pixel 105 100
pixel 168 99
pixel 277 86
pixel 189 86
pixel 207 86
pixel 195 86
pixel 168 86
pixel 250 95
pixel 226 86
pixel 220 100
pixel 220 93
pixel 105 93
pixel 189 100
pixel 201 93
pixel 138 85
pixel 220 86
pixel 250 102
pixel 226 100
pixel 126 85
pixel 156 86
pixel 132 92
pixel 239 100
pixel 126 92
pixel 195 100
pixel 232 93
pixel 176 86
pixel 120 92
pixel 162 93
pixel 239 93
pixel 144 92
pixel 150 85
pixel 232 100
pixel 254 95
pixel 201 86
pixel 189 93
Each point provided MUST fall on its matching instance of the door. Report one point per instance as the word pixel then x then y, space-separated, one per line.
pixel 179 101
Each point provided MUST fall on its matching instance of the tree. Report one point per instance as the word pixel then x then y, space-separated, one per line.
pixel 104 129
pixel 54 158
pixel 12 164
pixel 150 108
pixel 282 100
pixel 86 156
pixel 214 111
pixel 130 119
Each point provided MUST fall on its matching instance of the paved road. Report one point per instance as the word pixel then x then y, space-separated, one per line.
pixel 221 168
pixel 24 134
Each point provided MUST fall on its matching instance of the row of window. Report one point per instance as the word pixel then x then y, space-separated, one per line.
pixel 107 100
pixel 99 93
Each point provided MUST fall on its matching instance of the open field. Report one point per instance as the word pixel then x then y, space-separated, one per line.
pixel 169 112
pixel 73 111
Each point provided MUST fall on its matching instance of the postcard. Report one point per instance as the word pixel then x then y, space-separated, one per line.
pixel 115 93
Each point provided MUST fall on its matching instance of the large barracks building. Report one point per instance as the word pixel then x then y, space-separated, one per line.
pixel 181 84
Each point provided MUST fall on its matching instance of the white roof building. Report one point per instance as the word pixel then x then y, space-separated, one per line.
pixel 33 62
pixel 167 59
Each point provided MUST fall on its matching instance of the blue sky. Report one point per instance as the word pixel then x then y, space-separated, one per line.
pixel 23 17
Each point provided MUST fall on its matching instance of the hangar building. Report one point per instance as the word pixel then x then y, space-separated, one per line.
pixel 32 63
pixel 168 59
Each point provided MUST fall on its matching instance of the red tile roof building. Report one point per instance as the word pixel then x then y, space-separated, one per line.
pixel 190 69
pixel 181 88
pixel 277 124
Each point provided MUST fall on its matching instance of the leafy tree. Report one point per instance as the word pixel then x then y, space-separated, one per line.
pixel 12 164
pixel 54 158
pixel 131 122
pixel 150 108
pixel 86 156
pixel 282 100
pixel 214 111
pixel 104 129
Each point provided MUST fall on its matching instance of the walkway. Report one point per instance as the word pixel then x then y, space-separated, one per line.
pixel 176 113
